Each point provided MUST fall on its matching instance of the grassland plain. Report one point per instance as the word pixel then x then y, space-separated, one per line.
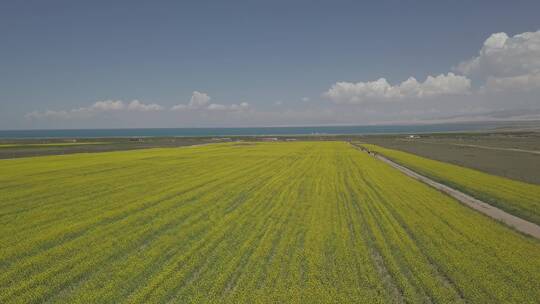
pixel 303 222
pixel 515 197
pixel 41 147
pixel 50 144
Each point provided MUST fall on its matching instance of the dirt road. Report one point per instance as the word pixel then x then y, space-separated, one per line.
pixel 487 209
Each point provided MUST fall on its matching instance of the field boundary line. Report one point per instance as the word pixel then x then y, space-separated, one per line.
pixel 498 148
pixel 513 221
pixel 481 147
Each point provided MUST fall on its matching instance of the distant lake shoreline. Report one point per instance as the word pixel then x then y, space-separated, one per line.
pixel 247 131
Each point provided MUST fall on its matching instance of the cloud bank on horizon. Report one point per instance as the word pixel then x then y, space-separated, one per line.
pixel 380 89
pixel 199 101
pixel 505 66
pixel 96 108
pixel 504 63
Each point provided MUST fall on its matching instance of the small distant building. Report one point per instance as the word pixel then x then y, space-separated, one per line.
pixel 291 139
pixel 413 136
pixel 269 139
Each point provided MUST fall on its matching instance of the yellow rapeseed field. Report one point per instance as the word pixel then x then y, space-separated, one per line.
pixel 298 222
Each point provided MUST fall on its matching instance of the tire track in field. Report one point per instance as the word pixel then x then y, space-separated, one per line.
pixel 396 264
pixel 375 268
pixel 220 287
pixel 410 286
pixel 389 283
pixel 398 225
pixel 444 289
pixel 272 239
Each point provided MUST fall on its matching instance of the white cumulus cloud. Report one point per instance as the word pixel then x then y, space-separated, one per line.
pixel 96 108
pixel 217 107
pixel 525 83
pixel 107 105
pixel 241 106
pixel 355 93
pixel 504 56
pixel 136 105
pixel 200 101
pixel 506 63
pixel 232 107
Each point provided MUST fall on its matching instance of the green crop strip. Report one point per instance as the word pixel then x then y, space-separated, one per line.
pixel 302 222
pixel 515 197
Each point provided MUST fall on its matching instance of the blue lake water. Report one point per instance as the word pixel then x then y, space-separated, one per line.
pixel 195 132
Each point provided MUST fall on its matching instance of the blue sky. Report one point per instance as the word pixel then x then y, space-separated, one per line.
pixel 275 58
